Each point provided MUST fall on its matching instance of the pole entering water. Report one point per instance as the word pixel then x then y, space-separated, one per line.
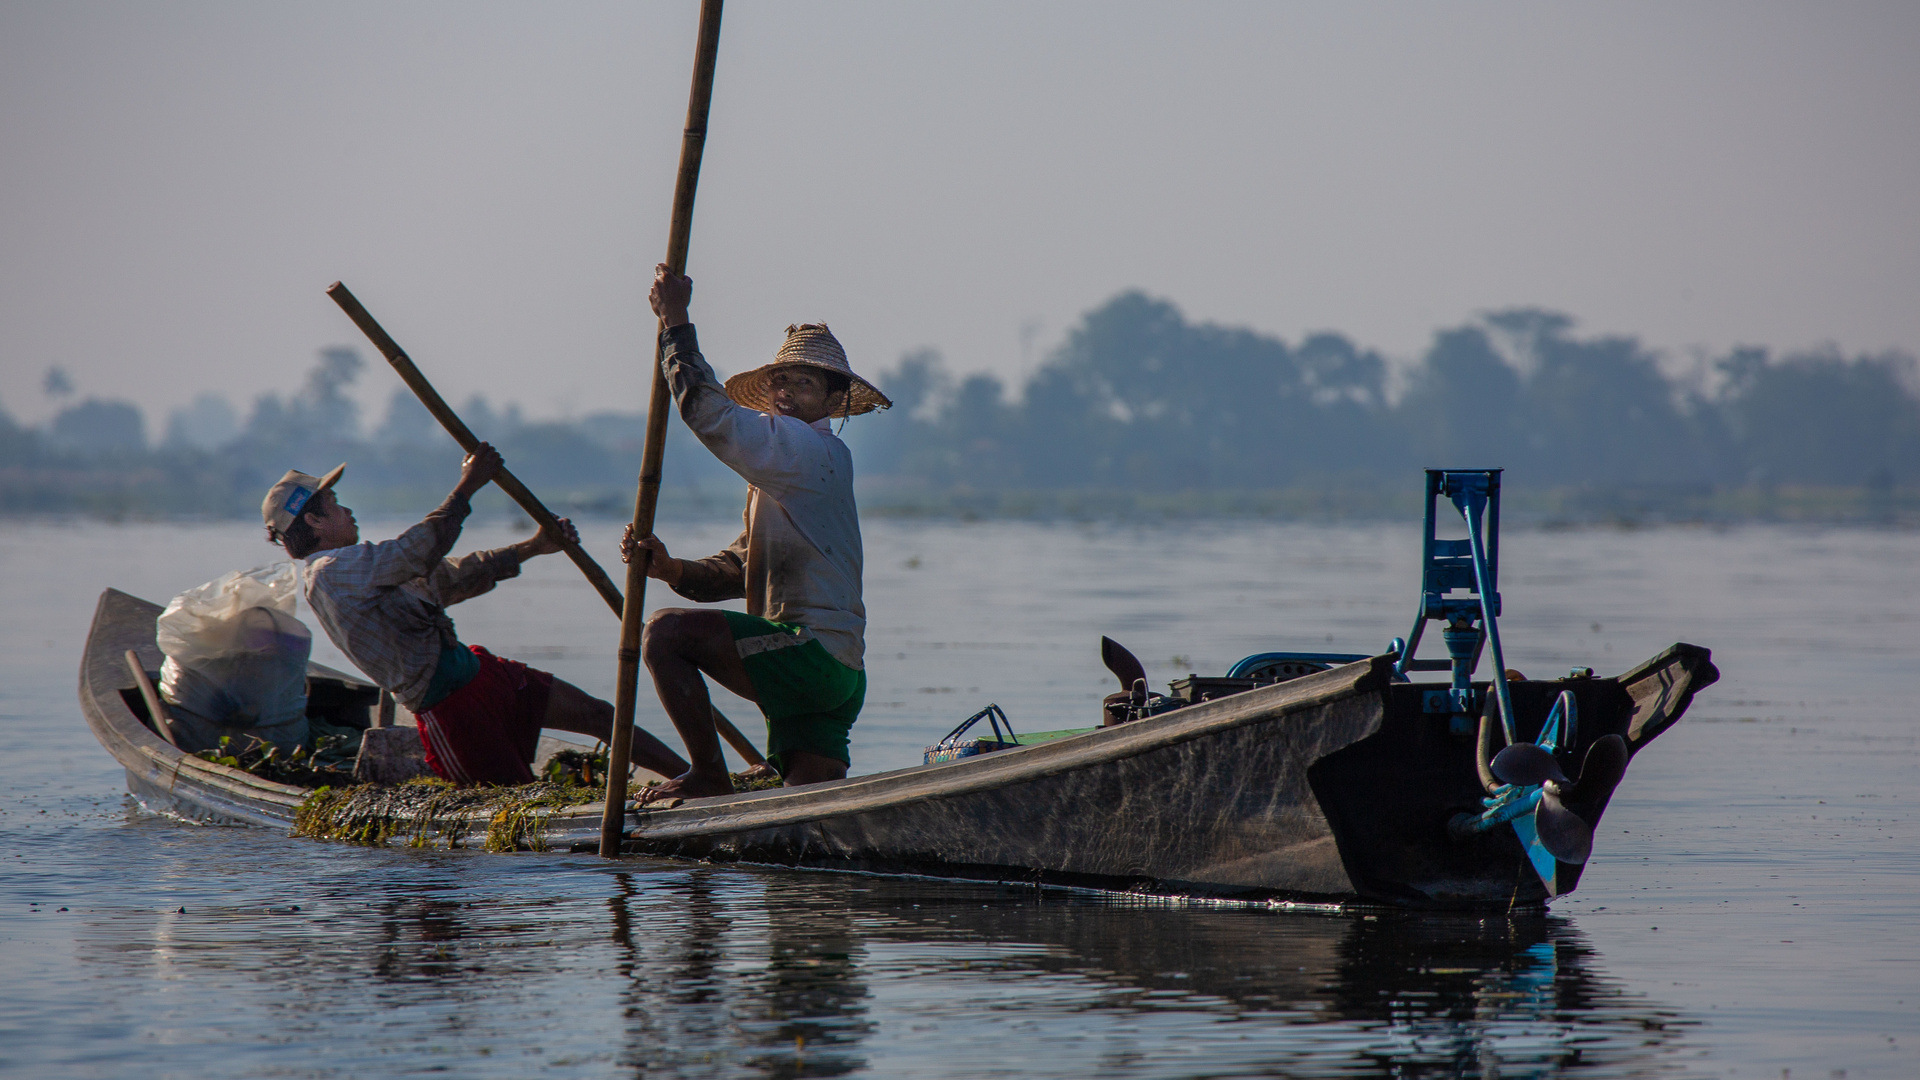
pixel 612 822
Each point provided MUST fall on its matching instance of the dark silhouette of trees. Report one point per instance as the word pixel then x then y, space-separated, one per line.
pixel 1136 399
pixel 1821 419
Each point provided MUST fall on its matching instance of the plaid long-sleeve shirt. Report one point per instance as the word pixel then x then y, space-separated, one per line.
pixel 384 604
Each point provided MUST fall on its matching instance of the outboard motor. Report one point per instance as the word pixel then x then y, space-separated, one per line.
pixel 1526 787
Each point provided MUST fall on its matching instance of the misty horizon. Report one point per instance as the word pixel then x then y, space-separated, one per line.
pixel 493 180
pixel 1137 401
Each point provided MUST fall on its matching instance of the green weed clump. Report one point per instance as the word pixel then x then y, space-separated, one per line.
pixel 587 768
pixel 743 782
pixel 430 812
pixel 264 760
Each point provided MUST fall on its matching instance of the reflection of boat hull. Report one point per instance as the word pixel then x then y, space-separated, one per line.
pixel 1333 787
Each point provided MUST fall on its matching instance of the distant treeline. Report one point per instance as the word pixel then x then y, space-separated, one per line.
pixel 1138 410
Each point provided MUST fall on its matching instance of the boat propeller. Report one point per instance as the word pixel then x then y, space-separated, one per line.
pixel 1526 764
pixel 1527 787
pixel 1562 832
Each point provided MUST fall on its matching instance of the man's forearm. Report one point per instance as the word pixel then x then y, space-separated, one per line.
pixel 710 580
pixel 446 520
pixel 474 573
pixel 671 570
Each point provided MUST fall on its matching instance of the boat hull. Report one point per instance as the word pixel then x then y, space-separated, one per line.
pixel 1332 788
pixel 1212 800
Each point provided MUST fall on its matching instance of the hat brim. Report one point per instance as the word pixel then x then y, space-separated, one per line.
pixel 332 478
pixel 750 388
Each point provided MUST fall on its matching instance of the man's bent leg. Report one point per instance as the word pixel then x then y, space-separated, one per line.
pixel 679 646
pixel 807 767
pixel 570 708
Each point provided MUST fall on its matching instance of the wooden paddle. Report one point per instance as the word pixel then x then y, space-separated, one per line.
pixel 410 374
pixel 156 709
pixel 692 143
pixel 437 405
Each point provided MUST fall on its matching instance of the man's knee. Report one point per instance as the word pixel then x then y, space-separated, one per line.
pixel 669 633
pixel 658 639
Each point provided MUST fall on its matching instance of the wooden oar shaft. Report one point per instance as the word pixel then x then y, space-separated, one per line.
pixel 504 479
pixel 647 497
pixel 410 374
pixel 156 709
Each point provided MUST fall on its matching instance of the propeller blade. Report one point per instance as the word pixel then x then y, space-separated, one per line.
pixel 1565 835
pixel 1122 663
pixel 1524 765
pixel 1600 773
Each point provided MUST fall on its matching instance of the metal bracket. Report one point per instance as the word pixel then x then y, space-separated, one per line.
pixel 1450 701
pixel 1459 588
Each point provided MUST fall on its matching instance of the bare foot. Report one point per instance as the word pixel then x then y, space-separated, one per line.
pixel 758 773
pixel 688 785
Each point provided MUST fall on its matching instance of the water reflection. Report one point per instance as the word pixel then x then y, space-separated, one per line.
pixel 779 982
pixel 667 969
pixel 1392 994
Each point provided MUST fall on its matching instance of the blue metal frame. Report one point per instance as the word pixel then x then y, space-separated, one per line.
pixel 1471 567
pixel 1240 670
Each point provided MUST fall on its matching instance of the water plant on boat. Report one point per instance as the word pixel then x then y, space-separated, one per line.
pixel 299 767
pixel 430 812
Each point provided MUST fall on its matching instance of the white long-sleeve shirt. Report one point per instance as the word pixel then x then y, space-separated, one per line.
pixel 798 560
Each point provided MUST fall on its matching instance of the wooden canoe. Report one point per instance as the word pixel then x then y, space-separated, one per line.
pixel 1332 788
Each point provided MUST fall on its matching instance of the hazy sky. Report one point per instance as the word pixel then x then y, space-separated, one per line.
pixel 180 181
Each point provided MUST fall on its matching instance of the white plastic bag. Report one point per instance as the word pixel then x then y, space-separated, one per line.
pixel 235 652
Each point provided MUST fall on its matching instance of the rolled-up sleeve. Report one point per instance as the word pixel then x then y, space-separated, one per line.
pixel 472 574
pixel 717 577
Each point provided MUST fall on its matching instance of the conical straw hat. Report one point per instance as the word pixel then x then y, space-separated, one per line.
pixel 813 345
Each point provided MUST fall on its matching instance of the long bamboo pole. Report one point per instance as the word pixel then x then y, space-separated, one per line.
pixel 507 482
pixel 437 405
pixel 692 143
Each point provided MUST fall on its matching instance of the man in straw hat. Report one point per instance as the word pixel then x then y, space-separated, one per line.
pixel 798 650
pixel 385 605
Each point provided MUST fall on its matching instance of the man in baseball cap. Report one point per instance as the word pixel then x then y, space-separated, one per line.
pixel 286 499
pixel 384 604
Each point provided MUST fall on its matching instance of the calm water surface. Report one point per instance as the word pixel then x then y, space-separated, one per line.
pixel 1751 909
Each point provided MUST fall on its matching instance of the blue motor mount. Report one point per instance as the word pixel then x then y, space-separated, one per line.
pixel 1459 589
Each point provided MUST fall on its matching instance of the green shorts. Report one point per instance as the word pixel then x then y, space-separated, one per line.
pixel 810 699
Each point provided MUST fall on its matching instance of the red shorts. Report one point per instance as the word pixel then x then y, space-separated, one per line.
pixel 486 731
